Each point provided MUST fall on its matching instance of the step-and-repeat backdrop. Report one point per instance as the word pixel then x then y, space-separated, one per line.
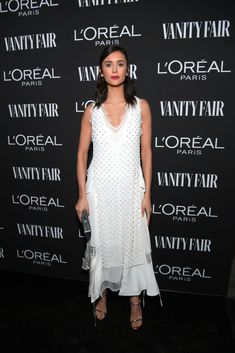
pixel 181 60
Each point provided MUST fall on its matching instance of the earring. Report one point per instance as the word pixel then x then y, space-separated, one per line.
pixel 101 75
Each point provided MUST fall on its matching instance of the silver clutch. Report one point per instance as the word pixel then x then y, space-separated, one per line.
pixel 86 225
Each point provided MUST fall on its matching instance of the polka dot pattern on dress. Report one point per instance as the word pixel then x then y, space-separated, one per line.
pixel 117 186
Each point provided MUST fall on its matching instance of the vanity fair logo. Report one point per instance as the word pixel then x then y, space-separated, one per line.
pixel 36 173
pixel 90 3
pixel 36 202
pixel 40 231
pixel 90 73
pixel 25 7
pixel 33 143
pixel 192 108
pixel 184 213
pixel 183 243
pixel 81 106
pixel 105 35
pixel 2 253
pixel 196 29
pixel 39 257
pixel 30 41
pixel 180 273
pixel 30 77
pixel 185 145
pixel 187 180
pixel 192 70
pixel 33 110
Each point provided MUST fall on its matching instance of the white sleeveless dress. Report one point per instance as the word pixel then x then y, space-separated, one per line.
pixel 120 246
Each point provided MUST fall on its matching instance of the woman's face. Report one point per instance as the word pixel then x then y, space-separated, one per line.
pixel 114 68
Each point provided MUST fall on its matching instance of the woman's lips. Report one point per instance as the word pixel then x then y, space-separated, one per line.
pixel 114 77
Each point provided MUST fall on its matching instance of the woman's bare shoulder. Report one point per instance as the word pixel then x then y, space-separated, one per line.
pixel 144 105
pixel 88 111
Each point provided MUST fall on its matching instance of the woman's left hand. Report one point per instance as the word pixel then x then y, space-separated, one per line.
pixel 146 207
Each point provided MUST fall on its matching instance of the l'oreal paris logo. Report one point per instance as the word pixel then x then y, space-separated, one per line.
pixel 39 257
pixel 179 273
pixel 184 213
pixel 192 70
pixel 196 29
pixel 105 35
pixel 185 145
pixel 25 8
pixel 36 202
pixel 33 143
pixel 30 77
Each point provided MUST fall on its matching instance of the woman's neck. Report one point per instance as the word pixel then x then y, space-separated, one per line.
pixel 115 94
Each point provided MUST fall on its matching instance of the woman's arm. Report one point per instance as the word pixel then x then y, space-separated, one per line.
pixel 82 155
pixel 146 155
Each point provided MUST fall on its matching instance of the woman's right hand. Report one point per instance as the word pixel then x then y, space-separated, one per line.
pixel 82 204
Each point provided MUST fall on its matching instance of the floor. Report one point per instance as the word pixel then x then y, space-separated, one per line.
pixel 47 315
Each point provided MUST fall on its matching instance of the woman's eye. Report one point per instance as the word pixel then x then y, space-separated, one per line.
pixel 107 65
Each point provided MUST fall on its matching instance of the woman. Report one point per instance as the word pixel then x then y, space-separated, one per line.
pixel 116 194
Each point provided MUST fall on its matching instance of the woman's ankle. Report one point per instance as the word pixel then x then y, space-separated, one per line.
pixel 135 299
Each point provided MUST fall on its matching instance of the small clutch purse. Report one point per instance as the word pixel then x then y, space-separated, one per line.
pixel 87 233
pixel 86 225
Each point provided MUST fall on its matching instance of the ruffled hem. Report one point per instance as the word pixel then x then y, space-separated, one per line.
pixel 129 282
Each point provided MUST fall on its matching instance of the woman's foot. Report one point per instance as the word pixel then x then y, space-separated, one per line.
pixel 100 308
pixel 136 313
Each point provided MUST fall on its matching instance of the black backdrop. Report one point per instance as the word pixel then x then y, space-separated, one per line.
pixel 181 59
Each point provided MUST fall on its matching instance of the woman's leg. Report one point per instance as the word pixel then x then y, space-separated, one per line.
pixel 101 308
pixel 136 312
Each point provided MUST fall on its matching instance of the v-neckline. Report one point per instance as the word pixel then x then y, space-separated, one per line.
pixel 107 119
